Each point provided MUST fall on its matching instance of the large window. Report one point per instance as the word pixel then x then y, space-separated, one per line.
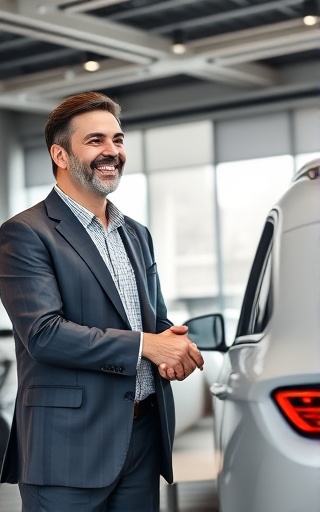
pixel 182 223
pixel 131 197
pixel 247 190
pixel 182 215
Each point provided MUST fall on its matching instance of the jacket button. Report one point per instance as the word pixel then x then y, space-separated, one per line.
pixel 129 395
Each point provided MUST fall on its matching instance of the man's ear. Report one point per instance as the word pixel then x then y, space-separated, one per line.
pixel 59 156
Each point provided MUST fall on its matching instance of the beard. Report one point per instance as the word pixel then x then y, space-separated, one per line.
pixel 86 174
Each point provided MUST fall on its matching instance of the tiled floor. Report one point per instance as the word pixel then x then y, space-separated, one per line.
pixel 194 472
pixel 9 498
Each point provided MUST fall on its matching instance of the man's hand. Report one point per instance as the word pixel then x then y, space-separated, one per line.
pixel 173 352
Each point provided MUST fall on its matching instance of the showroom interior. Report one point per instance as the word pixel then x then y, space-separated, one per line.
pixel 220 107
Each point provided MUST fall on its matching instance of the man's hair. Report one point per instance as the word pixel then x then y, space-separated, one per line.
pixel 59 127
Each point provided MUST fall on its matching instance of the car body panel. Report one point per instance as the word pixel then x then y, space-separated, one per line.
pixel 264 465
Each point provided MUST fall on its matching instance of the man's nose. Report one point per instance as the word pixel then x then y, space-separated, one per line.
pixel 110 149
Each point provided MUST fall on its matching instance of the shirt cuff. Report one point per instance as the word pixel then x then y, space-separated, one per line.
pixel 140 350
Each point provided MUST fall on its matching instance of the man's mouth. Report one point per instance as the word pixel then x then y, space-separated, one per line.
pixel 109 170
pixel 106 168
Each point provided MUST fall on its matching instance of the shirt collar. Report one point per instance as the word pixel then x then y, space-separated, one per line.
pixel 116 217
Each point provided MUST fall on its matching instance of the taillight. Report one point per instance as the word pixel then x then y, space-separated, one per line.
pixel 301 407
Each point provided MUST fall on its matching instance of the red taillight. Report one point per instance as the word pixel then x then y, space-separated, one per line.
pixel 301 407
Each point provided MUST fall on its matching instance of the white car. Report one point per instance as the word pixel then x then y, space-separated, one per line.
pixel 266 399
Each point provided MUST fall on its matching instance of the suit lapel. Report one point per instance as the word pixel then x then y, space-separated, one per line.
pixel 75 234
pixel 133 248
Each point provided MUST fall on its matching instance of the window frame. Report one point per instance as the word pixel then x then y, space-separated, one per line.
pixel 261 269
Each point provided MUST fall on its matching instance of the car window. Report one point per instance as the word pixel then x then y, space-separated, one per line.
pixel 261 308
pixel 257 303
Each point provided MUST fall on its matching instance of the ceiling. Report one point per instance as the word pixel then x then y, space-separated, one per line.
pixel 235 49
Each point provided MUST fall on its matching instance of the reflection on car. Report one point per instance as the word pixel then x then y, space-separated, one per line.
pixel 266 399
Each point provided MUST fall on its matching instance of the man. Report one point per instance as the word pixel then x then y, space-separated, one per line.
pixel 94 419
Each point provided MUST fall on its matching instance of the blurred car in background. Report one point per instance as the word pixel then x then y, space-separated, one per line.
pixel 8 386
pixel 266 399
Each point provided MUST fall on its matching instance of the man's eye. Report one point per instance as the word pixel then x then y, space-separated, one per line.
pixel 95 141
pixel 119 141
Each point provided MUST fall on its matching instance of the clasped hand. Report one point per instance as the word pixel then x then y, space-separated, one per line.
pixel 173 352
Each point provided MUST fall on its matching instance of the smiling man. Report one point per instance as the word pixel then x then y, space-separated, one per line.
pixel 94 419
pixel 93 162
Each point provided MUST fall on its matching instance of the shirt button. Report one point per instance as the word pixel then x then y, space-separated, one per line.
pixel 129 395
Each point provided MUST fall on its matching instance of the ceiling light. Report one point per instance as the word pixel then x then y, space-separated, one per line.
pixel 91 65
pixel 311 12
pixel 178 42
pixel 310 20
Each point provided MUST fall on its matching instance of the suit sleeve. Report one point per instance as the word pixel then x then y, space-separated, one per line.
pixel 30 293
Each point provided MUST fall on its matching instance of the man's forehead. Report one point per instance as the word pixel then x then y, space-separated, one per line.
pixel 97 121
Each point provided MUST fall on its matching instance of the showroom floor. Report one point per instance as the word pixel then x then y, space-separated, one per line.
pixel 193 459
pixel 193 497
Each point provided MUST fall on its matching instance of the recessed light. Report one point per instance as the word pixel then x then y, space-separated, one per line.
pixel 91 65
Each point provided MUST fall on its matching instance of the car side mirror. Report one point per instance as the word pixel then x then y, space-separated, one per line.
pixel 207 332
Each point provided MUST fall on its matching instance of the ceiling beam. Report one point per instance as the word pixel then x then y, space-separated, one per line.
pixel 258 43
pixel 155 8
pixel 39 58
pixel 71 42
pixel 23 103
pixel 230 58
pixel 232 61
pixel 244 75
pixel 91 5
pixel 227 16
pixel 77 30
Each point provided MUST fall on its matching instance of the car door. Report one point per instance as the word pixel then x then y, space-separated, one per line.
pixel 232 392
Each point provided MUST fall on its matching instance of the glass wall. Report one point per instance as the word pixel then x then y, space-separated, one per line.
pixel 179 164
pixel 182 222
pixel 131 197
pixel 247 191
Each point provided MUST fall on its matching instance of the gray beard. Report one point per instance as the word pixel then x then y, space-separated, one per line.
pixel 86 177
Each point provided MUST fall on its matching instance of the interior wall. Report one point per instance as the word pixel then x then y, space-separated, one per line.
pixel 12 189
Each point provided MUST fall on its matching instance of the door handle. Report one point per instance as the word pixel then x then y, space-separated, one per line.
pixel 220 391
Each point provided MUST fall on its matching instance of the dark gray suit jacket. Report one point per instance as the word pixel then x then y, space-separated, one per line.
pixel 76 353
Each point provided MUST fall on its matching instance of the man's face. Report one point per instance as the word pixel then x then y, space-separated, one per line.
pixel 97 155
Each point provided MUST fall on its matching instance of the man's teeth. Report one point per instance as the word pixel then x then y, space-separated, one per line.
pixel 106 167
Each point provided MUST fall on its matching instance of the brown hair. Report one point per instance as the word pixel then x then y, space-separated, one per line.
pixel 59 129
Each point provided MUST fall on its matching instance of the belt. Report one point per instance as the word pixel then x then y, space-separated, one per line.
pixel 142 407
